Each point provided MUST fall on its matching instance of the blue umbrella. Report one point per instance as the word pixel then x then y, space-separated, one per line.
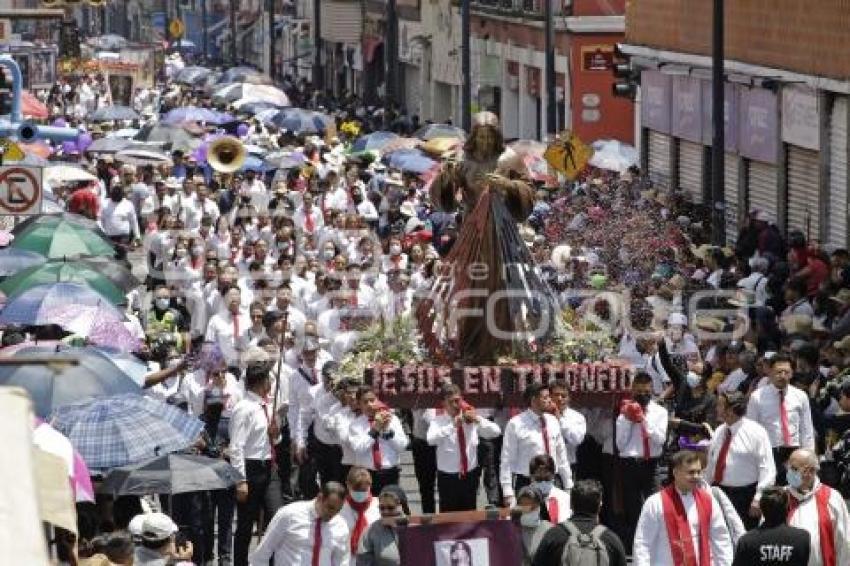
pixel 253 163
pixel 51 386
pixel 125 429
pixel 254 108
pixel 244 75
pixel 410 160
pixel 375 140
pixel 13 260
pixel 302 121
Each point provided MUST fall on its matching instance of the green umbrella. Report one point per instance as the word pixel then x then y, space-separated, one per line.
pixel 58 238
pixel 74 272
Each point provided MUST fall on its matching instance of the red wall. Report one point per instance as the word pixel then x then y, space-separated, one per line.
pixel 617 114
pixel 599 7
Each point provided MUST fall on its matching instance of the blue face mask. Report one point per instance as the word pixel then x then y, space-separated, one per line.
pixel 544 486
pixel 359 496
pixel 795 478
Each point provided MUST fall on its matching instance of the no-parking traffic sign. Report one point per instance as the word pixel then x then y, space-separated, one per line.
pixel 20 190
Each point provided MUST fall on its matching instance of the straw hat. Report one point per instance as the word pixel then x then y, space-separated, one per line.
pixel 798 324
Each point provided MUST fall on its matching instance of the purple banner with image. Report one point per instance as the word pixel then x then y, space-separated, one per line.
pixel 730 116
pixel 759 117
pixel 480 543
pixel 655 89
pixel 686 119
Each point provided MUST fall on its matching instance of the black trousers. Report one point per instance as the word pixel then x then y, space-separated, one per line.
pixel 263 493
pixel 458 493
pixel 328 462
pixel 308 487
pixel 741 498
pixel 283 459
pixel 642 482
pixel 219 507
pixel 187 511
pixel 780 458
pixel 425 468
pixel 520 482
pixel 383 478
pixel 489 459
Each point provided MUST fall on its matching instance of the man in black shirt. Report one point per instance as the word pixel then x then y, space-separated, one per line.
pixel 774 543
pixel 586 500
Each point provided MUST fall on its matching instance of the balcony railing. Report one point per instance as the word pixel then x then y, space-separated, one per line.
pixel 529 9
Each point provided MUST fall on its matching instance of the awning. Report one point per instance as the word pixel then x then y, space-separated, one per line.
pixel 370 45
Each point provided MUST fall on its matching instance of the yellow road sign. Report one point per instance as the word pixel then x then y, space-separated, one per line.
pixel 176 28
pixel 11 151
pixel 568 155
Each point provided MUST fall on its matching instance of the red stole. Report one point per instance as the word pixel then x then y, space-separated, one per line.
pixel 825 530
pixel 679 530
pixel 360 524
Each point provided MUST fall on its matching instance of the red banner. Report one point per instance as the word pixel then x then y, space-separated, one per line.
pixel 416 386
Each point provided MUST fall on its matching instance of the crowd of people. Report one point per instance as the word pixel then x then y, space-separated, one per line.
pixel 259 283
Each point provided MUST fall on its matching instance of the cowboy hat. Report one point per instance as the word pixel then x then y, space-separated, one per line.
pixel 797 324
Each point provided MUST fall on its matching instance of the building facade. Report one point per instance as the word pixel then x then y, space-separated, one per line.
pixel 786 107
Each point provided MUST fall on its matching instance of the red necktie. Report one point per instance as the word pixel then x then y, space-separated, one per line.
pixel 545 435
pixel 552 506
pixel 376 451
pixel 317 542
pixel 265 406
pixel 783 418
pixel 720 467
pixel 461 441
pixel 309 224
pixel 644 436
pixel 396 261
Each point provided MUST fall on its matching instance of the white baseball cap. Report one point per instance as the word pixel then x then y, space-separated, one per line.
pixel 677 318
pixel 157 526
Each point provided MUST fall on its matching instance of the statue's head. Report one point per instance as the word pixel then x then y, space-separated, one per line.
pixel 485 140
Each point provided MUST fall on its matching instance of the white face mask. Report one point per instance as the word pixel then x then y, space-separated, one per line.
pixel 544 486
pixel 694 379
pixel 530 519
pixel 162 304
pixel 329 254
pixel 180 253
pixel 395 249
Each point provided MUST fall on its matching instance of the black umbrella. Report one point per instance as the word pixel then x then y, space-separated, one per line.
pixel 172 474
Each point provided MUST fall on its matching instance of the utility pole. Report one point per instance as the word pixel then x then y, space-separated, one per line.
pixel 466 67
pixel 272 39
pixel 233 54
pixel 166 19
pixel 392 53
pixel 318 75
pixel 549 64
pixel 718 138
pixel 205 38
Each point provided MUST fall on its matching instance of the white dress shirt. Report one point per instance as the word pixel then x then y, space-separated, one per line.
pixel 749 459
pixel 316 408
pixel 574 429
pixel 442 433
pixel 196 387
pixel 630 440
pixel 119 219
pixel 222 330
pixel 523 441
pixel 349 515
pixel 290 538
pixel 806 517
pixel 565 510
pixel 299 219
pixel 249 431
pixel 652 546
pixel 300 381
pixel 764 409
pixel 342 426
pixel 361 442
pixel 734 380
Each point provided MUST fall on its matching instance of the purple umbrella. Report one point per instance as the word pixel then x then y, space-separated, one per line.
pixel 196 114
pixel 411 160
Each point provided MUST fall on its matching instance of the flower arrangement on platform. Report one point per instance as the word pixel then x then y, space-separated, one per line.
pixel 395 342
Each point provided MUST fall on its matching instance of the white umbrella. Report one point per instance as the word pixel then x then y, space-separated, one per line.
pixel 58 174
pixel 263 93
pixel 614 155
pixel 141 157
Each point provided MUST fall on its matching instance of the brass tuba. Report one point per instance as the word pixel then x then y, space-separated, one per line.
pixel 226 154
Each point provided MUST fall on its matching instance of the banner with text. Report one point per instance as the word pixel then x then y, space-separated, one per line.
pixel 416 386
